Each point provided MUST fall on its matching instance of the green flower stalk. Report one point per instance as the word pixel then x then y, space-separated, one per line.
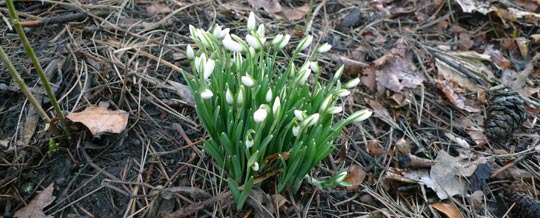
pixel 254 109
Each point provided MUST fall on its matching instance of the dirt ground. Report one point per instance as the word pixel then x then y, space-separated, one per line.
pixel 453 86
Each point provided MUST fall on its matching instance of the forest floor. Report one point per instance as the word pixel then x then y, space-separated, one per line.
pixel 453 86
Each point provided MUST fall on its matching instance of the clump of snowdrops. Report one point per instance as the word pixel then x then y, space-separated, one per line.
pixel 263 117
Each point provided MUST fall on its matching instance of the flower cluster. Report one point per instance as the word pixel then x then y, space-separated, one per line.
pixel 254 108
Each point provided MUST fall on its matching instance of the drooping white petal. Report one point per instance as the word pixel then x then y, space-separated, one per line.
pixel 324 48
pixel 361 115
pixel 255 166
pixel 260 115
pixel 229 97
pixel 248 81
pixel 305 42
pixel 314 67
pixel 335 110
pixel 310 120
pixel 232 45
pixel 277 39
pixel 343 93
pixel 285 41
pixel 189 52
pixel 300 115
pixel 326 103
pixel 207 94
pixel 295 129
pixel 276 106
pixel 268 96
pixel 209 68
pixel 352 83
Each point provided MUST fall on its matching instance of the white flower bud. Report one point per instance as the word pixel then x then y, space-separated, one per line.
pixel 285 41
pixel 189 52
pixel 360 115
pixel 229 97
pixel 260 30
pixel 305 42
pixel 326 103
pixel 300 115
pixel 217 31
pixel 249 140
pixel 248 81
pixel 202 37
pixel 240 97
pixel 303 76
pixel 343 93
pixel 335 110
pixel 277 39
pixel 314 67
pixel 207 94
pixel 269 96
pixel 339 72
pixel 295 129
pixel 310 120
pixel 276 107
pixel 251 22
pixel 253 42
pixel 324 48
pixel 209 68
pixel 200 62
pixel 232 45
pixel 260 115
pixel 251 51
pixel 255 166
pixel 352 83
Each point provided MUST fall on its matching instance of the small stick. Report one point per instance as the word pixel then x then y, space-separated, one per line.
pixel 59 19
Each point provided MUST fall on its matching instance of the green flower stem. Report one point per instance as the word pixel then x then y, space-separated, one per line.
pixel 30 52
pixel 23 87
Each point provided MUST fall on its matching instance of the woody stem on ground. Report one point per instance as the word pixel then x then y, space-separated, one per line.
pixel 23 87
pixel 30 52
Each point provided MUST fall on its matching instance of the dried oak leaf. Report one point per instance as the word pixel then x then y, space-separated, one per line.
pixel 34 209
pixel 101 120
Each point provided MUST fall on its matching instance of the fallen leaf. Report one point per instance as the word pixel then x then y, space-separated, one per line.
pixel 158 8
pixel 295 13
pixel 449 210
pixel 101 120
pixel 355 176
pixel 445 176
pixel 271 6
pixel 457 100
pixel 34 209
pixel 374 148
pixel 469 6
pixel 398 74
pixel 380 112
pixel 497 58
pixel 279 200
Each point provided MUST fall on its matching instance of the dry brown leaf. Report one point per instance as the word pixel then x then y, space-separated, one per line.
pixel 381 112
pixel 457 100
pixel 279 200
pixel 158 8
pixel 469 6
pixel 374 148
pixel 295 13
pixel 34 209
pixel 355 176
pixel 497 58
pixel 101 120
pixel 398 74
pixel 449 210
pixel 271 6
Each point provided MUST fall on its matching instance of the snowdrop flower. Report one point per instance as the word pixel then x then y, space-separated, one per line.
pixel 300 115
pixel 229 97
pixel 255 166
pixel 189 52
pixel 295 129
pixel 285 41
pixel 209 68
pixel 277 39
pixel 251 22
pixel 343 93
pixel 310 120
pixel 335 109
pixel 240 97
pixel 260 31
pixel 260 114
pixel 232 45
pixel 303 76
pixel 306 41
pixel 252 41
pixel 352 83
pixel 268 96
pixel 202 37
pixel 199 62
pixel 339 72
pixel 248 81
pixel 324 48
pixel 249 138
pixel 314 67
pixel 360 115
pixel 326 103
pixel 217 31
pixel 207 94
pixel 276 107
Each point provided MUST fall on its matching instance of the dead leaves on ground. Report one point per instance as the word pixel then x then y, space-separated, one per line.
pixel 275 8
pixel 99 119
pixel 34 209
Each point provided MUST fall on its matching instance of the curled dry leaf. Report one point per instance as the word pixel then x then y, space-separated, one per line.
pixel 449 210
pixel 355 176
pixel 34 209
pixel 101 120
